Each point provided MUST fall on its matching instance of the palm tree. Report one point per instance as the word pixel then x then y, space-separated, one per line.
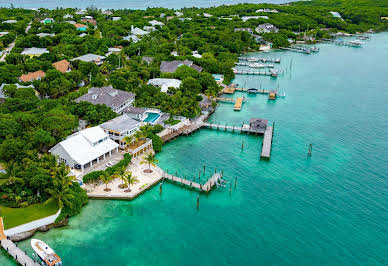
pixel 106 178
pixel 138 135
pixel 146 130
pixel 120 174
pixel 10 177
pixel 130 180
pixel 128 139
pixel 60 191
pixel 150 159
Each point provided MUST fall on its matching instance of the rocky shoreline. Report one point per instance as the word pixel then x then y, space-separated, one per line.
pixel 25 235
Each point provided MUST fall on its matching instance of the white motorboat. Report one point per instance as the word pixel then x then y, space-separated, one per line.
pixel 46 253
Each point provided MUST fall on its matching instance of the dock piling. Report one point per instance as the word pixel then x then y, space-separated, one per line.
pixel 198 202
pixel 235 182
pixel 310 150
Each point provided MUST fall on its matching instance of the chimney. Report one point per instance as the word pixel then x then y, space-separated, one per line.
pixel 131 28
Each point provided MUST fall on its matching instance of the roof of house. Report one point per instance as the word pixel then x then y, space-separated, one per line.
pixel 172 66
pixel 78 25
pixel 107 12
pixel 32 76
pixel 89 58
pixel 80 148
pixel 120 124
pixel 137 31
pixel 2 95
pixel 43 34
pixel 165 83
pixel 2 33
pixel 134 110
pixel 106 95
pixel 34 51
pixel 148 59
pixel 258 125
pixel 156 23
pixel 132 37
pixel 10 21
pixel 62 65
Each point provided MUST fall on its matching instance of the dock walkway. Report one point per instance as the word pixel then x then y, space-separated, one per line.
pixel 257 59
pixel 267 143
pixel 20 256
pixel 205 187
pixel 238 104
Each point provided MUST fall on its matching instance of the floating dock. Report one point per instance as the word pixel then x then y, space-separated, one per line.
pixel 206 187
pixel 20 256
pixel 258 59
pixel 267 143
pixel 238 104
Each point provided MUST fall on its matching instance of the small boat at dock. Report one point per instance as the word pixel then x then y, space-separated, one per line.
pixel 45 253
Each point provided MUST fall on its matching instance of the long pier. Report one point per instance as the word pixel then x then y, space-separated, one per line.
pixel 206 187
pixel 267 142
pixel 354 43
pixel 257 59
pixel 251 65
pixel 304 51
pixel 20 256
pixel 272 72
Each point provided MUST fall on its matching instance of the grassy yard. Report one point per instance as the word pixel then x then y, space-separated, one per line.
pixel 16 216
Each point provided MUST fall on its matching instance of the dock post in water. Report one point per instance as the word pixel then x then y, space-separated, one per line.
pixel 235 182
pixel 310 149
pixel 198 202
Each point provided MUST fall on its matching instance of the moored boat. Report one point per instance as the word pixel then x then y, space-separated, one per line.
pixel 47 254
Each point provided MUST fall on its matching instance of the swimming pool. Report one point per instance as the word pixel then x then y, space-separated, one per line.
pixel 152 117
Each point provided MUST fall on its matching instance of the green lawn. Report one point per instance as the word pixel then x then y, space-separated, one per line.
pixel 16 216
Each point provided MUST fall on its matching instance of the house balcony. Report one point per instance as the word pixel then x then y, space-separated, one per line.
pixel 139 147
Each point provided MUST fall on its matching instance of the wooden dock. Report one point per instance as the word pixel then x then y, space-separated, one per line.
pixel 272 72
pixel 191 184
pixel 244 128
pixel 257 59
pixel 228 90
pixel 20 256
pixel 238 104
pixel 267 143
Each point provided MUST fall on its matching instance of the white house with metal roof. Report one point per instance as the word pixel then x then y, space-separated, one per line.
pixel 165 83
pixel 156 23
pixel 85 148
pixel 97 59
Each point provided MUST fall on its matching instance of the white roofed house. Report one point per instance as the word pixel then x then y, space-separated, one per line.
pixel 31 52
pixel 117 100
pixel 165 83
pixel 85 148
pixel 97 59
pixel 132 38
pixel 156 23
pixel 266 28
pixel 138 32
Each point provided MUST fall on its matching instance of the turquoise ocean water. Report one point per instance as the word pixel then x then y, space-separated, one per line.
pixel 329 209
pixel 132 4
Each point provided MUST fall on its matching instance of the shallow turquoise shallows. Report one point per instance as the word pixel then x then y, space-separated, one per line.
pixel 329 209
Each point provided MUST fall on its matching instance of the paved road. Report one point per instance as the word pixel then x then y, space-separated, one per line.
pixel 12 45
